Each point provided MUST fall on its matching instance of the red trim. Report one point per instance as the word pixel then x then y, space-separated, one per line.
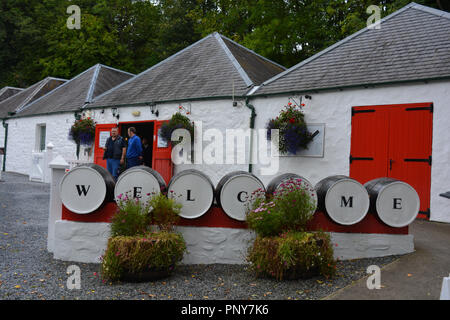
pixel 217 218
pixel 370 224
pixel 103 214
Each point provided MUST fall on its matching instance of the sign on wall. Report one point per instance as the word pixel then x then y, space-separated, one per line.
pixel 104 135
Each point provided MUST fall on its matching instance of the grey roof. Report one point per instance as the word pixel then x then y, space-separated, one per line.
pixel 7 92
pixel 19 100
pixel 211 67
pixel 78 91
pixel 412 44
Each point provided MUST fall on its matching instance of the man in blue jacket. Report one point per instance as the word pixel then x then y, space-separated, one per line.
pixel 134 151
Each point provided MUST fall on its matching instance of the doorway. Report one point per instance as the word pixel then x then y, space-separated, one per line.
pixel 144 130
pixel 394 141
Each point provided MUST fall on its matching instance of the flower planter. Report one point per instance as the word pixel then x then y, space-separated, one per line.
pixel 147 276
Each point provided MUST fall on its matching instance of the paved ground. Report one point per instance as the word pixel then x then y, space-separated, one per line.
pixel 28 271
pixel 414 276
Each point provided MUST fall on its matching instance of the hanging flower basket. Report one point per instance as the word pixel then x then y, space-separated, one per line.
pixel 82 132
pixel 293 135
pixel 178 121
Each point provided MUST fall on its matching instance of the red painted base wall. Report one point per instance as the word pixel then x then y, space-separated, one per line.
pixel 217 218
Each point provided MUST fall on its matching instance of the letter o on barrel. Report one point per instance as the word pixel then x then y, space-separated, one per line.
pixel 277 182
pixel 396 202
pixel 194 190
pixel 235 190
pixel 137 182
pixel 85 188
pixel 345 200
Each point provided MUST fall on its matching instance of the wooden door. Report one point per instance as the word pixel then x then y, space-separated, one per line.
pixel 162 154
pixel 394 141
pixel 102 132
pixel 411 131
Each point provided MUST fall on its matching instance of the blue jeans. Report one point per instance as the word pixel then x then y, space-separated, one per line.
pixel 113 167
pixel 133 162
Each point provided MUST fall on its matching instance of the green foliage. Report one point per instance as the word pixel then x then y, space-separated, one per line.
pixel 164 211
pixel 292 255
pixel 178 121
pixel 289 209
pixel 132 217
pixel 150 252
pixel 134 35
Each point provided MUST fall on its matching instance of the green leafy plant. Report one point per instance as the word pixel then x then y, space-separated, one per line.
pixel 178 121
pixel 156 251
pixel 165 211
pixel 290 208
pixel 292 255
pixel 132 217
pixel 293 132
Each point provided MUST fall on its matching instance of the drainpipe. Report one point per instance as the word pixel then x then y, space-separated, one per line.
pixel 252 126
pixel 5 125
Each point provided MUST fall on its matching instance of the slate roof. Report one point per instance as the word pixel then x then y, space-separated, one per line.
pixel 28 95
pixel 78 91
pixel 412 44
pixel 7 92
pixel 210 67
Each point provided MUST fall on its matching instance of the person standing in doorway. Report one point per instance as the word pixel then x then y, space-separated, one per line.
pixel 147 152
pixel 115 150
pixel 134 151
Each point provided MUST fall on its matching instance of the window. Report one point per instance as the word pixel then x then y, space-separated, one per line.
pixel 40 137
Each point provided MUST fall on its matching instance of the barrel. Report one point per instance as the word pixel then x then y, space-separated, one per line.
pixel 345 200
pixel 86 188
pixel 234 193
pixel 396 202
pixel 194 190
pixel 139 183
pixel 276 183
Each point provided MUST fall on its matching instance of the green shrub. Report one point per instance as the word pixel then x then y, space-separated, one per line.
pixel 132 217
pixel 133 255
pixel 164 211
pixel 290 208
pixel 292 255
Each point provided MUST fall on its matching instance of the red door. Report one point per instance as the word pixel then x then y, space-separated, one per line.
pixel 102 132
pixel 162 154
pixel 394 141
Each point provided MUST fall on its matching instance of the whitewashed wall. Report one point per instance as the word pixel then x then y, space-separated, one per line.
pixel 214 114
pixel 334 109
pixel 22 139
pixel 331 107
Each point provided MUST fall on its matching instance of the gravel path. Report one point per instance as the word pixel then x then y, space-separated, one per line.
pixel 28 271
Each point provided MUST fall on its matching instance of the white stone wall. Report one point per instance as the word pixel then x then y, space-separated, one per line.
pixel 22 139
pixel 334 109
pixel 86 242
pixel 214 114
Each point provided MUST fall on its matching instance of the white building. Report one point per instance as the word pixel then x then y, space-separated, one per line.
pixel 49 115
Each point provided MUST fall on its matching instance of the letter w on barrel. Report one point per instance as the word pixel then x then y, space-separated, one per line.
pixel 82 189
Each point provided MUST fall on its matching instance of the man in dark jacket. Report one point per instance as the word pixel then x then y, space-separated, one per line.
pixel 115 150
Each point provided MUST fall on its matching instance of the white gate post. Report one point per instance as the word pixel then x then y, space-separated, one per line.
pixel 48 157
pixel 58 169
pixel 1 166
